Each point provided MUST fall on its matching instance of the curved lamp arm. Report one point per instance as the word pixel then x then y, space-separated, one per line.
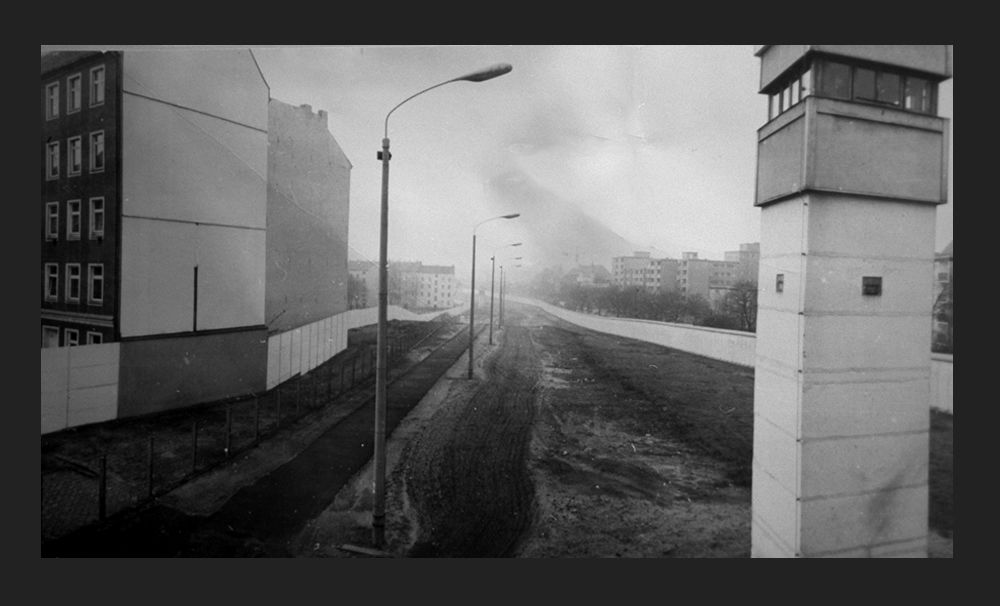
pixel 478 76
pixel 510 216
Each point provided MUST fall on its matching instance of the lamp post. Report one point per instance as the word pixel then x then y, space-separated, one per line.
pixel 502 279
pixel 378 509
pixel 472 301
pixel 493 271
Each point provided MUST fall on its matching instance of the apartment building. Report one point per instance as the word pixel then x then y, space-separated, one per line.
pixel 748 261
pixel 639 269
pixel 697 276
pixel 190 220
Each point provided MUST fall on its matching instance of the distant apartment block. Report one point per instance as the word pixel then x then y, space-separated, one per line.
pixel 411 285
pixel 747 259
pixel 639 269
pixel 697 276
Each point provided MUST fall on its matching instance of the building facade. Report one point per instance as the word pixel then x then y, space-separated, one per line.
pixel 698 276
pixel 638 270
pixel 81 201
pixel 190 220
pixel 747 260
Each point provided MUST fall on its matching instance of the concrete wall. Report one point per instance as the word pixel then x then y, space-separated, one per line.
pixel 727 345
pixel 79 385
pixel 171 372
pixel 308 197
pixel 942 382
pixel 194 191
pixel 306 347
pixel 730 346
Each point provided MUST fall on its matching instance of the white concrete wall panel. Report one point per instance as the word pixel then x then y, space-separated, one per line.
pixel 776 397
pixel 778 452
pixel 55 388
pixel 780 160
pixel 839 466
pixel 184 166
pixel 851 404
pixel 79 385
pixel 273 360
pixel 225 83
pixel 872 343
pixel 868 228
pixel 879 519
pixel 775 510
pixel 834 286
pixel 870 158
pixel 942 382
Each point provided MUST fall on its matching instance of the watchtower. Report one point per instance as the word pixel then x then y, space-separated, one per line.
pixel 851 166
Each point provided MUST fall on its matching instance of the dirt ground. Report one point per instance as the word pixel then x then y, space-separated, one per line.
pixel 569 443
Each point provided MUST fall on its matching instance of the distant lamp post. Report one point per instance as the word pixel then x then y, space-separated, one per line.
pixel 493 271
pixel 381 373
pixel 502 280
pixel 472 300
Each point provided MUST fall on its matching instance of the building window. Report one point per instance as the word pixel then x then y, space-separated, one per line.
pixel 51 281
pixel 73 92
pixel 50 336
pixel 94 338
pixel 73 282
pixel 97 86
pixel 835 80
pixel 95 283
pixel 779 283
pixel 52 101
pixel 72 337
pixel 96 218
pixel 52 221
pixel 74 153
pixel 52 160
pixel 917 95
pixel 864 84
pixel 876 85
pixel 73 220
pixel 97 151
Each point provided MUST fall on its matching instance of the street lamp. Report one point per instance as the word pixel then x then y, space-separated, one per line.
pixel 493 271
pixel 500 322
pixel 381 372
pixel 472 301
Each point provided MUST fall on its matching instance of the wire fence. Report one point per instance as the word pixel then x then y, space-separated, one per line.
pixel 91 473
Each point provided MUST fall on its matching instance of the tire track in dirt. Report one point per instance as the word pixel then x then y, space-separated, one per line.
pixel 466 474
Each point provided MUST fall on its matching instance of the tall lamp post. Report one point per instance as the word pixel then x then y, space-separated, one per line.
pixel 472 300
pixel 493 271
pixel 378 509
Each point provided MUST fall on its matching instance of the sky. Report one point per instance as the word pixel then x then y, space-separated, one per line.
pixel 603 150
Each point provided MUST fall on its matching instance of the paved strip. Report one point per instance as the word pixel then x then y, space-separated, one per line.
pixel 260 518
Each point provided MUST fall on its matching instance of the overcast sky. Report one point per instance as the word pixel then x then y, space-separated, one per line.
pixel 602 149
